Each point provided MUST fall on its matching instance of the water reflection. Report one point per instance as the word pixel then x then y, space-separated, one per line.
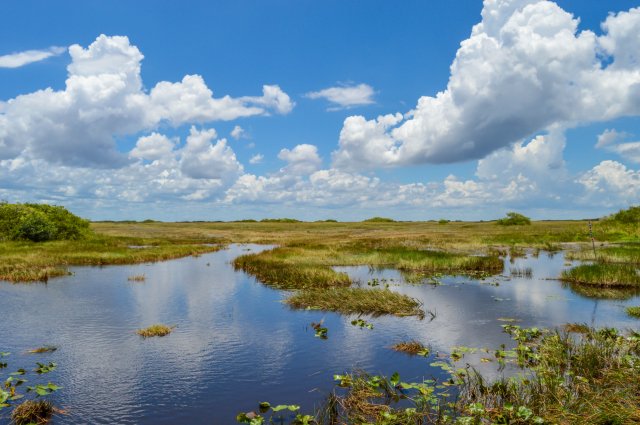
pixel 236 343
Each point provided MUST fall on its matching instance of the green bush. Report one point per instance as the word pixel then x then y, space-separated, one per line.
pixel 379 220
pixel 513 219
pixel 628 216
pixel 40 222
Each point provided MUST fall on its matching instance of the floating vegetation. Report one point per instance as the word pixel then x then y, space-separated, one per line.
pixel 137 278
pixel 155 330
pixel 508 319
pixel 608 275
pixel 362 323
pixel 633 311
pixel 32 412
pixel 412 348
pixel 604 292
pixel 321 331
pixel 356 301
pixel 43 349
pixel 45 368
pixel 526 272
pixel 264 408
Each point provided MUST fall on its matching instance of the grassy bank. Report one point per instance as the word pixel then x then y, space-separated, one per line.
pixel 606 275
pixel 30 261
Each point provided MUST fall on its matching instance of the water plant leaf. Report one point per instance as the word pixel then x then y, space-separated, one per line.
pixel 291 407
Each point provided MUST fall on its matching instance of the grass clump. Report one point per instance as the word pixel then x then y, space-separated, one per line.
pixel 280 220
pixel 514 219
pixel 412 348
pixel 633 311
pixel 38 412
pixel 137 278
pixel 522 272
pixel 606 275
pixel 375 302
pixel 155 330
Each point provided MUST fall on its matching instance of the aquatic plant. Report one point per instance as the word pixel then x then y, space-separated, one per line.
pixel 514 219
pixel 137 278
pixel 361 323
pixel 155 330
pixel 275 415
pixel 320 330
pixel 633 311
pixel 522 272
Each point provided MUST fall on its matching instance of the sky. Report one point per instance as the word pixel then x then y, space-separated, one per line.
pixel 236 109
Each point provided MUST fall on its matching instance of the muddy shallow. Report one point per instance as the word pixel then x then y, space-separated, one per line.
pixel 236 344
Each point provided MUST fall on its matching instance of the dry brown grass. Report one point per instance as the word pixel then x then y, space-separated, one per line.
pixel 155 330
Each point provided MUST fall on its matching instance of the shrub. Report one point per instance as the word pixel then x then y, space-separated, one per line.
pixel 40 222
pixel 513 219
pixel 379 220
pixel 443 221
pixel 629 216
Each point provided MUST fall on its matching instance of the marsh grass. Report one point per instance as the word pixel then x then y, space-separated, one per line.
pixel 155 330
pixel 30 261
pixel 374 302
pixel 137 278
pixel 525 272
pixel 603 292
pixel 633 311
pixel 38 412
pixel 586 378
pixel 624 253
pixel 606 275
pixel 412 348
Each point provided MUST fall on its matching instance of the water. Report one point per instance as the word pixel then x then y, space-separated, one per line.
pixel 237 344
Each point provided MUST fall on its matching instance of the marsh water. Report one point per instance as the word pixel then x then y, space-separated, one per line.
pixel 236 344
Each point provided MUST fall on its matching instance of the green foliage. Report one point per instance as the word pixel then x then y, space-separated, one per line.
pixel 514 219
pixel 379 220
pixel 633 311
pixel 40 222
pixel 443 221
pixel 629 216
pixel 280 220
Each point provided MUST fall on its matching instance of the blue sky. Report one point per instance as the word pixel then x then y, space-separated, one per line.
pixel 523 105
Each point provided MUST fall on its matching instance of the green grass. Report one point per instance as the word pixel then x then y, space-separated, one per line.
pixel 623 253
pixel 606 275
pixel 633 311
pixel 375 302
pixel 411 348
pixel 155 330
pixel 31 261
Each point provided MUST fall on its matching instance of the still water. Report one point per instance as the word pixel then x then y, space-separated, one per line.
pixel 237 344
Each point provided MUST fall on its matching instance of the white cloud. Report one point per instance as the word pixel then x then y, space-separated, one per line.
pixel 611 183
pixel 345 96
pixel 525 68
pixel 256 159
pixel 612 141
pixel 16 60
pixel 303 159
pixel 104 98
pixel 152 147
pixel 238 133
pixel 200 159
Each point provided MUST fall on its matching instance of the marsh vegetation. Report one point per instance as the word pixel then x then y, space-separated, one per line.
pixel 155 330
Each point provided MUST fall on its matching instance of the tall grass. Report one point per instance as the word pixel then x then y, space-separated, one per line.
pixel 375 302
pixel 611 275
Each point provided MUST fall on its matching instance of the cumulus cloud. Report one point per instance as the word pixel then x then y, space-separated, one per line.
pixel 16 60
pixel 347 96
pixel 525 68
pixel 303 159
pixel 104 99
pixel 611 183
